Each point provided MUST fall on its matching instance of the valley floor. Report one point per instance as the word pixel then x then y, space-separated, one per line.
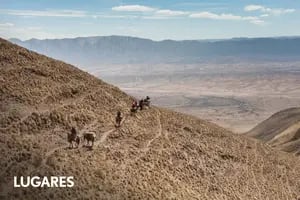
pixel 237 100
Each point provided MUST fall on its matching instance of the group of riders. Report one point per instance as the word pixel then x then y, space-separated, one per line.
pixel 90 136
pixel 135 106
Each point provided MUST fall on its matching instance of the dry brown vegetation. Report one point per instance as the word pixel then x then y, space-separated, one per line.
pixel 281 130
pixel 158 154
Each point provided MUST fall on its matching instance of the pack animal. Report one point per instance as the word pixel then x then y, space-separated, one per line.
pixel 72 138
pixel 89 137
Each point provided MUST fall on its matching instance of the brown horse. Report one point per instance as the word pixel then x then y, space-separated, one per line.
pixel 89 137
pixel 73 137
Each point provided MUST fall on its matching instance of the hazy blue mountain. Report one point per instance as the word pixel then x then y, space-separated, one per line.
pixel 122 49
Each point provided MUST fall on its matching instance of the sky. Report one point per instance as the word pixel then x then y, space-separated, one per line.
pixel 153 19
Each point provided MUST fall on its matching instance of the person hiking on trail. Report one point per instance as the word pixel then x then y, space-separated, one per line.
pixel 141 104
pixel 118 119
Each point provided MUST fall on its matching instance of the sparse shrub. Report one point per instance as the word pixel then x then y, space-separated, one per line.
pixel 36 160
pixel 99 173
pixel 51 162
pixel 188 129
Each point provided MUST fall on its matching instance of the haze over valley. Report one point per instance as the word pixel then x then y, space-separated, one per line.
pixel 235 83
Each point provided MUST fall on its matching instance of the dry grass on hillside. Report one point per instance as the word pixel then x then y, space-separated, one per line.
pixel 157 154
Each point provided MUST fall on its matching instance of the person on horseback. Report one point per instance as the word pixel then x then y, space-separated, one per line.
pixel 73 131
pixel 147 101
pixel 134 107
pixel 73 137
pixel 118 119
pixel 141 104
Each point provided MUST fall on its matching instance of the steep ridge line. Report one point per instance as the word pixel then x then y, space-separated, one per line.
pixel 293 128
pixel 281 130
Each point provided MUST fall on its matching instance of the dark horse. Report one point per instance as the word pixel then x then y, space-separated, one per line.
pixel 89 137
pixel 73 137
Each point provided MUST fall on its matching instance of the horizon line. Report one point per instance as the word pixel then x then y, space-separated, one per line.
pixel 137 37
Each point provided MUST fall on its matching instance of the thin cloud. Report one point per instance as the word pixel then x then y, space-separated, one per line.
pixel 46 13
pixel 264 15
pixel 257 22
pixel 148 13
pixel 133 8
pixel 170 13
pixel 253 7
pixel 272 11
pixel 210 15
pixel 60 13
pixel 6 25
pixel 154 13
pixel 223 16
pixel 203 5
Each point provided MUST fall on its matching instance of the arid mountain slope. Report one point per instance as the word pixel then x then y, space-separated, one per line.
pixel 157 154
pixel 281 130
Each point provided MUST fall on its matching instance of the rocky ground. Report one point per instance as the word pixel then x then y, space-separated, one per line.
pixel 156 154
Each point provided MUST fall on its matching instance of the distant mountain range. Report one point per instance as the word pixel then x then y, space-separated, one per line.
pixel 93 51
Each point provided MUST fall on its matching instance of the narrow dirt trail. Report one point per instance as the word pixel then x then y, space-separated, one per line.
pixel 7 188
pixel 247 162
pixel 103 137
pixel 53 150
pixel 254 178
pixel 49 153
pixel 144 149
pixel 43 109
pixel 159 133
pixel 105 134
